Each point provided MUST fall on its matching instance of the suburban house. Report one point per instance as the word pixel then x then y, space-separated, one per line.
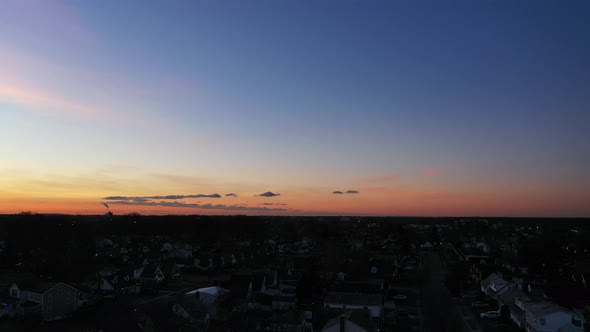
pixel 116 284
pixel 472 254
pixel 341 300
pixel 150 275
pixel 548 317
pixel 528 314
pixel 52 301
pixel 480 271
pixel 351 321
pixel 8 303
pixel 508 300
pixel 494 285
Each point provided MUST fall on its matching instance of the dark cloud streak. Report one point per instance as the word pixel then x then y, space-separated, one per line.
pixel 338 192
pixel 269 194
pixel 146 198
pixel 197 206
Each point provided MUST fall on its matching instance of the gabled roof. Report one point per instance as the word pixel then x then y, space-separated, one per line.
pixel 487 281
pixel 195 308
pixel 358 317
pixel 39 286
pixel 149 271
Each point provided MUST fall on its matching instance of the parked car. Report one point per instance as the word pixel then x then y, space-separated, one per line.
pixel 489 314
pixel 479 304
pixel 400 297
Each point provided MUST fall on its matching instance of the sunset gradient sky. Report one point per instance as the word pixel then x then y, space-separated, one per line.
pixel 423 107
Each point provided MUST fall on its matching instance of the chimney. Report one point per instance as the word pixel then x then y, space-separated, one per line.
pixel 342 323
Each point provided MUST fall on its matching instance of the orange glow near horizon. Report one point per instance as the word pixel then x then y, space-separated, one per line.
pixel 378 203
pixel 430 193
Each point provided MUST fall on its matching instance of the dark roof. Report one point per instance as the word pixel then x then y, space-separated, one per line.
pixel 36 286
pixel 29 304
pixel 117 282
pixel 360 317
pixel 238 286
pixel 354 299
pixel 488 280
pixel 197 309
pixel 149 271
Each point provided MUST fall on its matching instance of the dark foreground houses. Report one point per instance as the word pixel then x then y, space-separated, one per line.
pixel 198 273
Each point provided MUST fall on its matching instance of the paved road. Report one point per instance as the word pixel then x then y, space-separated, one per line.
pixel 436 299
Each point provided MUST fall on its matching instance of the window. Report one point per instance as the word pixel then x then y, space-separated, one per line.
pixel 576 322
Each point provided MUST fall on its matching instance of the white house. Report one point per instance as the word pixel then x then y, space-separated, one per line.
pixel 494 285
pixel 548 317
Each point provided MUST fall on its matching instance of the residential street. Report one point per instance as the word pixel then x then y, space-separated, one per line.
pixel 436 299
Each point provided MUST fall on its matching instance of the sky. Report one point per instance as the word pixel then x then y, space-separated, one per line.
pixel 430 108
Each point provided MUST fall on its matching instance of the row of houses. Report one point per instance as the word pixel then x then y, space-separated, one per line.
pixel 533 315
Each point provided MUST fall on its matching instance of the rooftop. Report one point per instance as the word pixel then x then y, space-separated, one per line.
pixel 353 299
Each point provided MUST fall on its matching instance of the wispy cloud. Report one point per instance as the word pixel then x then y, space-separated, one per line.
pixel 269 194
pixel 48 102
pixel 176 204
pixel 145 198
pixel 231 195
pixel 337 192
